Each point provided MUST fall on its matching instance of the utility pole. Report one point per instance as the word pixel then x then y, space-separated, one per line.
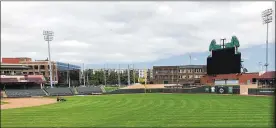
pixel 68 76
pixel 128 75
pixel 83 74
pixel 104 76
pixel 87 78
pixel 172 75
pixel 119 76
pixel 69 82
pixel 133 74
pixel 267 18
pixel 177 75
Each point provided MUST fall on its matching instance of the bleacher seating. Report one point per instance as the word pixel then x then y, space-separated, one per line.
pixel 89 90
pixel 59 91
pixel 24 93
pixel 73 90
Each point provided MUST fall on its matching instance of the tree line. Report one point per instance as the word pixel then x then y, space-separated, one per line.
pixel 98 78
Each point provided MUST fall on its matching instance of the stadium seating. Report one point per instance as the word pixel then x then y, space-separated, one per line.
pixel 73 90
pixel 59 91
pixel 89 90
pixel 24 93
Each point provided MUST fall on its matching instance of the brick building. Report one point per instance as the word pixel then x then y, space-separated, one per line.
pixel 41 67
pixel 13 69
pixel 255 78
pixel 185 74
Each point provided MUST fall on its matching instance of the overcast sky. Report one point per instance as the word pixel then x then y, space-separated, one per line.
pixel 127 32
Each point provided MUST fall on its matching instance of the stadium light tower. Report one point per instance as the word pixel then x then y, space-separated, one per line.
pixel 48 36
pixel 267 18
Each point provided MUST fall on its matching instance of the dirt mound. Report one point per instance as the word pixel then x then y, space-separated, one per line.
pixel 25 102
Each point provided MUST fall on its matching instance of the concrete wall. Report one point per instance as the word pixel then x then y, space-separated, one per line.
pixel 244 88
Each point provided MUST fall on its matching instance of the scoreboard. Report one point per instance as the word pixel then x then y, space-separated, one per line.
pixel 224 61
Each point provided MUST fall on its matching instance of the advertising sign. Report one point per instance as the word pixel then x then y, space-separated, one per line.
pixel 213 89
pixel 230 90
pixel 207 89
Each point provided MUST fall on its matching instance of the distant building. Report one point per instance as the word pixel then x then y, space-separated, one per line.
pixel 41 67
pixel 13 69
pixel 149 76
pixel 263 80
pixel 165 74
pixel 191 74
pixel 185 74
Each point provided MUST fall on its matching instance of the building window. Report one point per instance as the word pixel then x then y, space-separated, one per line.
pixel 43 73
pixel 35 66
pixel 184 77
pixel 42 67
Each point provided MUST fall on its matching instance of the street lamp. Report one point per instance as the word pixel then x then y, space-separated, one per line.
pixel 48 36
pixel 267 18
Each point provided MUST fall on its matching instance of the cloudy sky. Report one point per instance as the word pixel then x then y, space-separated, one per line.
pixel 127 32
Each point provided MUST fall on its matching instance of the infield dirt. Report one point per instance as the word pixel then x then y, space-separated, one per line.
pixel 25 102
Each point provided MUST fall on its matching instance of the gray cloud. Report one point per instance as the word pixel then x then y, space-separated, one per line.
pixel 124 32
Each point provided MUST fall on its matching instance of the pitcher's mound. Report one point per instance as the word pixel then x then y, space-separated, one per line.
pixel 25 102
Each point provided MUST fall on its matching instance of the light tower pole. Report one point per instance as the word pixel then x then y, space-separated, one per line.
pixel 48 36
pixel 104 75
pixel 128 75
pixel 83 74
pixel 119 76
pixel 267 18
pixel 133 74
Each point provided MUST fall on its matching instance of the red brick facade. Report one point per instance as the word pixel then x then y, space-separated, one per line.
pixel 243 78
pixel 15 60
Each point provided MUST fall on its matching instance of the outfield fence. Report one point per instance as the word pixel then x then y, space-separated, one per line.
pixel 261 91
pixel 203 89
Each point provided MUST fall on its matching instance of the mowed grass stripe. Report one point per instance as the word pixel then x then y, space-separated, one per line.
pixel 146 110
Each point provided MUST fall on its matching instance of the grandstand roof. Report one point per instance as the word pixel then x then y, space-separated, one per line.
pixel 13 66
pixel 192 66
pixel 268 75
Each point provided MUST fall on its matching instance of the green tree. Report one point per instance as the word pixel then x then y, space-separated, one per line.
pixel 112 78
pixel 96 78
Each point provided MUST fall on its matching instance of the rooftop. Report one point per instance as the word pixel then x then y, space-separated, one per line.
pixel 192 66
pixel 13 66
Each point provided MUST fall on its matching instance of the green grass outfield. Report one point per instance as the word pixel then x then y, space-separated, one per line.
pixel 146 110
pixel 108 89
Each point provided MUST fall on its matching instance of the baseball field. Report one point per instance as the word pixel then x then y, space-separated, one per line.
pixel 146 110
